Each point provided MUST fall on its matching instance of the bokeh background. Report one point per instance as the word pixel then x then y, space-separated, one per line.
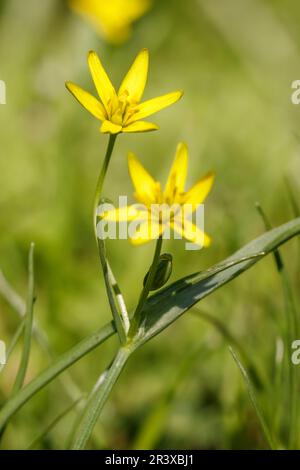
pixel 235 60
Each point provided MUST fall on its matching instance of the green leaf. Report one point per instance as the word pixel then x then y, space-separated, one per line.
pixel 97 400
pixel 163 308
pixel 53 423
pixel 256 375
pixel 155 421
pixel 290 333
pixel 14 341
pixel 293 197
pixel 59 365
pixel 19 306
pixel 28 325
pixel 252 395
pixel 166 306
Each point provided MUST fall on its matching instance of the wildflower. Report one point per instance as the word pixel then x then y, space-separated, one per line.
pixel 112 19
pixel 122 111
pixel 154 213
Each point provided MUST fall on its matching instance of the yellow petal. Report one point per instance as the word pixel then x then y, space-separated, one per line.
pixel 192 233
pixel 197 194
pixel 87 100
pixel 144 185
pixel 177 176
pixel 111 18
pixel 135 81
pixel 122 214
pixel 156 104
pixel 110 128
pixel 140 126
pixel 147 231
pixel 102 82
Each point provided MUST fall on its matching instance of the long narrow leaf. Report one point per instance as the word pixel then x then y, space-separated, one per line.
pixel 164 307
pixel 53 423
pixel 14 341
pixel 254 401
pixel 98 399
pixel 28 325
pixel 155 421
pixel 170 303
pixel 291 333
pixel 256 375
pixel 19 305
pixel 61 364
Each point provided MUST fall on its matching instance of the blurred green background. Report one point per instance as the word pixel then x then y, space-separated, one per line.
pixel 235 60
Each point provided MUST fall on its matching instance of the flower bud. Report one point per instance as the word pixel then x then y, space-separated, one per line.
pixel 163 272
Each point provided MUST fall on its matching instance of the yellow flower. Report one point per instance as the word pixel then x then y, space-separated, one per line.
pixel 162 210
pixel 122 111
pixel 112 19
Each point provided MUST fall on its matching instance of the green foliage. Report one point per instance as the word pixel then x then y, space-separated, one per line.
pixel 238 120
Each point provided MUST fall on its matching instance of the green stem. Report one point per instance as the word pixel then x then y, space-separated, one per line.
pixel 110 282
pixel 100 395
pixel 101 178
pixel 135 322
pixel 116 313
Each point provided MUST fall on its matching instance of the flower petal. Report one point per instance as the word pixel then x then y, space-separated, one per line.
pixel 140 126
pixel 147 231
pixel 109 127
pixel 87 100
pixel 112 19
pixel 177 175
pixel 135 80
pixel 197 194
pixel 156 104
pixel 145 186
pixel 102 82
pixel 122 214
pixel 192 233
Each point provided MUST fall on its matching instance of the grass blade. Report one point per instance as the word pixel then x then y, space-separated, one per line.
pixel 254 373
pixel 254 401
pixel 53 423
pixel 19 305
pixel 28 325
pixel 291 333
pixel 154 423
pixel 98 399
pixel 62 363
pixel 292 197
pixel 14 341
pixel 164 308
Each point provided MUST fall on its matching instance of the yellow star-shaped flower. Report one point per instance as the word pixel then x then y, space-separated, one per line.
pixel 112 19
pixel 154 213
pixel 122 111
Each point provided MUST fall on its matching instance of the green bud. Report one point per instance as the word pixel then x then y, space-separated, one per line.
pixel 163 272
